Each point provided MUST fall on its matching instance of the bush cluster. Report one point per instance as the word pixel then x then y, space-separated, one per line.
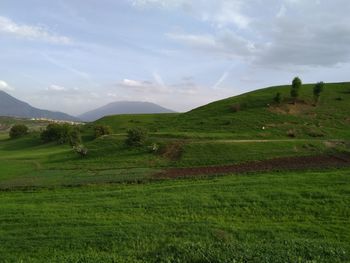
pixel 61 133
pixel 102 130
pixel 18 130
pixel 136 137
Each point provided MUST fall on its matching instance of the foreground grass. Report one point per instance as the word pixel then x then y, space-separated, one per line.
pixel 275 217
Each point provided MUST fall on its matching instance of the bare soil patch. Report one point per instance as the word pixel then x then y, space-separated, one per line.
pixel 298 108
pixel 286 163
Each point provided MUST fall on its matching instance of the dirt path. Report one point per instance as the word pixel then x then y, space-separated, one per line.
pixel 287 163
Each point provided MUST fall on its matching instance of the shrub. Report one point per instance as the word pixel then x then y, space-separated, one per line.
pixel 101 130
pixel 61 133
pixel 81 150
pixel 136 137
pixel 296 85
pixel 18 130
pixel 278 98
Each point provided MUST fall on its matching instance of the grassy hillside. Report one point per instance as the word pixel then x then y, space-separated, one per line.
pixel 27 162
pixel 207 135
pixel 258 117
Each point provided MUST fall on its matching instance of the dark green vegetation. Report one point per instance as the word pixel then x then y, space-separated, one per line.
pixel 61 133
pixel 296 86
pixel 102 130
pixel 318 88
pixel 18 130
pixel 60 206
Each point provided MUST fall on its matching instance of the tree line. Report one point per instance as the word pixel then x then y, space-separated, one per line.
pixel 295 91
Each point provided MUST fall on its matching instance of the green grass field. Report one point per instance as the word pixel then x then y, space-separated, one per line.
pixel 27 162
pixel 273 217
pixel 56 206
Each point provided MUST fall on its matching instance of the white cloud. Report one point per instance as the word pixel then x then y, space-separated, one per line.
pixel 322 39
pixel 112 95
pixel 4 86
pixel 7 26
pixel 135 83
pixel 284 36
pixel 225 43
pixel 56 88
pixel 219 13
pixel 144 85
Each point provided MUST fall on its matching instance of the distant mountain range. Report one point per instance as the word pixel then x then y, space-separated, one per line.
pixel 123 107
pixel 10 106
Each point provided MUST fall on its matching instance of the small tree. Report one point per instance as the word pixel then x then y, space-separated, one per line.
pixel 136 137
pixel 296 85
pixel 278 98
pixel 18 130
pixel 318 88
pixel 52 133
pixel 101 130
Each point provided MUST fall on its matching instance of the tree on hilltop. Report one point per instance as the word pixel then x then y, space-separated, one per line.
pixel 296 85
pixel 318 88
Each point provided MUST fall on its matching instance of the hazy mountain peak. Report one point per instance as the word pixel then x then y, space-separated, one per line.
pixel 124 107
pixel 10 106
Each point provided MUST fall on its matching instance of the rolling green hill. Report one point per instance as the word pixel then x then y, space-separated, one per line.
pixel 215 134
pixel 258 116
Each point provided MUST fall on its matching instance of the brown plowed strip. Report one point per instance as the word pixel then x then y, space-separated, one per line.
pixel 287 163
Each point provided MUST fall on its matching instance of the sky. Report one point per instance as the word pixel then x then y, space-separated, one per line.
pixel 76 55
